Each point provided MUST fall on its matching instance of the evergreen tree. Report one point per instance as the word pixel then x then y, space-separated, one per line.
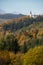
pixel 16 46
pixel 24 48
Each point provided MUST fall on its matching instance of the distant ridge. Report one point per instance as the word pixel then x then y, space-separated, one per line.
pixel 10 16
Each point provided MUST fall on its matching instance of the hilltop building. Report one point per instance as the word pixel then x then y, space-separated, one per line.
pixel 32 16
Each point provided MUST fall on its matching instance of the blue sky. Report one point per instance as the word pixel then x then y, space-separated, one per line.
pixel 22 6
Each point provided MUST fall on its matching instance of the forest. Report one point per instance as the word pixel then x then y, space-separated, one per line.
pixel 21 41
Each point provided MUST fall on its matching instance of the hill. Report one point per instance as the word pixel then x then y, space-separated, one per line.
pixel 18 23
pixel 10 16
pixel 24 28
pixel 21 41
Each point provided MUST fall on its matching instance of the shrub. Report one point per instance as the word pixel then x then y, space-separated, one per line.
pixel 4 58
pixel 16 59
pixel 34 56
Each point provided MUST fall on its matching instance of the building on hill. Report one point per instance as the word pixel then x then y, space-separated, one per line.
pixel 32 16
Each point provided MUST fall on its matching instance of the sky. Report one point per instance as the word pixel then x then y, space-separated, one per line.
pixel 22 6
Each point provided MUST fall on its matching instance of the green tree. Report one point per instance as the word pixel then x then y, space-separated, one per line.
pixel 24 48
pixel 12 43
pixel 16 46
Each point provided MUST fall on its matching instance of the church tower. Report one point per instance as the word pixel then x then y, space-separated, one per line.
pixel 30 14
